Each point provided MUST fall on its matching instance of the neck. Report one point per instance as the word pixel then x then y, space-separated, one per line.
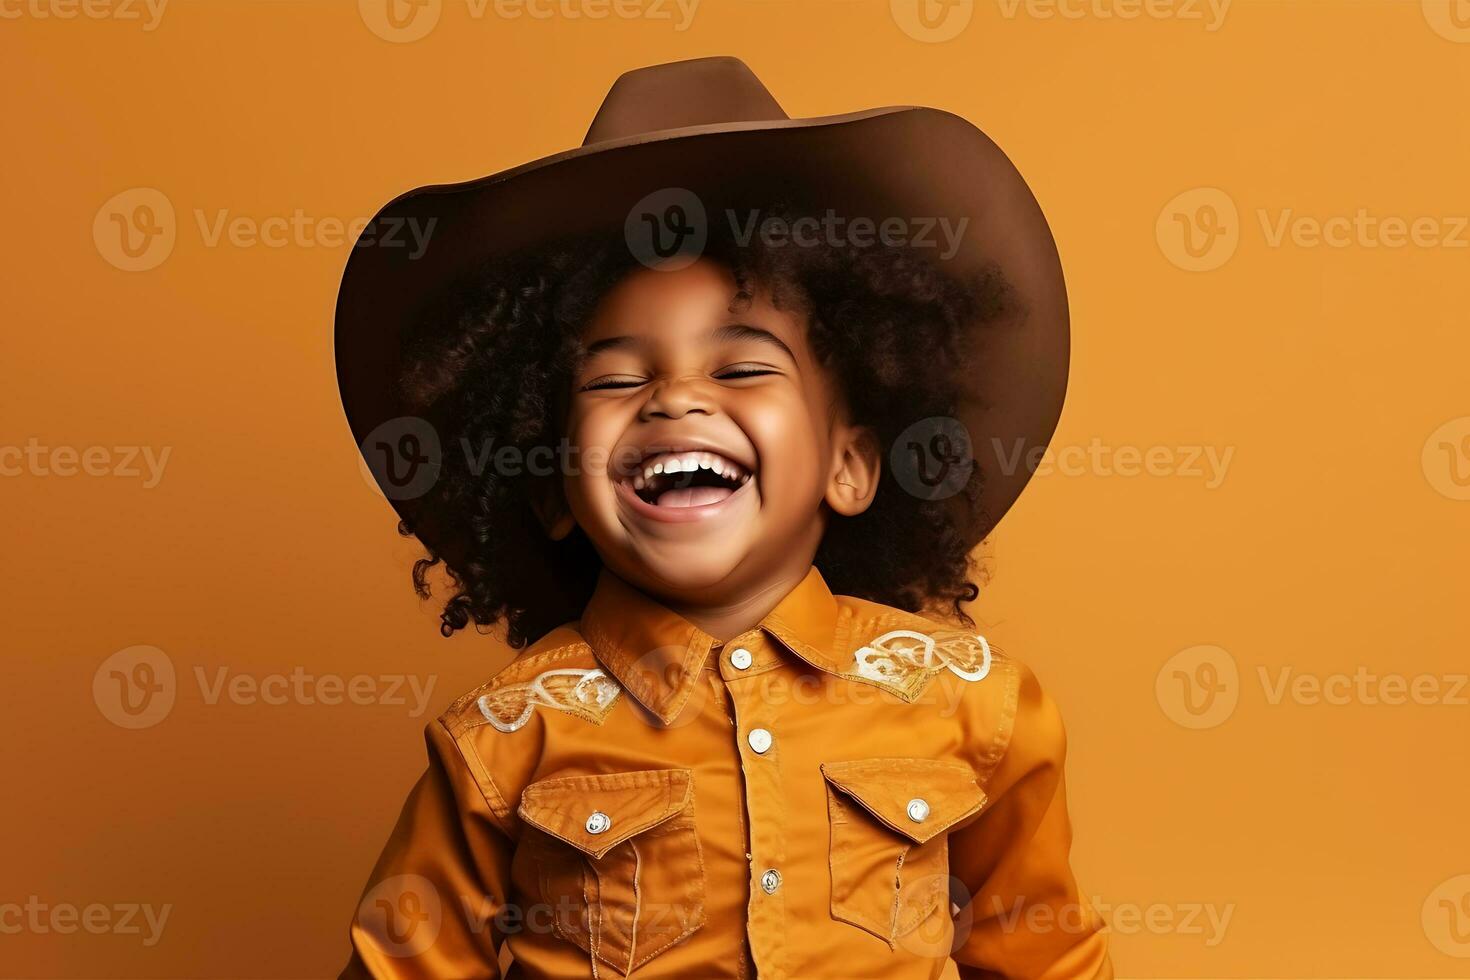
pixel 728 619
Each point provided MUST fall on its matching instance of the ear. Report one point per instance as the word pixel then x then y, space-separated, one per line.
pixel 856 466
pixel 550 505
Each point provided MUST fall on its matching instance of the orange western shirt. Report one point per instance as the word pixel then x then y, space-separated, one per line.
pixel 846 790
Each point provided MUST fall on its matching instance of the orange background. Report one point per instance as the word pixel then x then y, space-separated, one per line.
pixel 1332 833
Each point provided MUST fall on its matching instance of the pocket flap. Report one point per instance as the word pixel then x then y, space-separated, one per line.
pixel 629 802
pixel 917 798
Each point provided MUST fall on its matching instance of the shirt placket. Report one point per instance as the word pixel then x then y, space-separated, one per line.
pixel 758 741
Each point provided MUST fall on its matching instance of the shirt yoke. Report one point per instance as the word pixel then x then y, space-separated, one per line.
pixel 558 672
pixel 918 659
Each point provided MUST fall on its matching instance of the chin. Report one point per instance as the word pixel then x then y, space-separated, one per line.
pixel 684 571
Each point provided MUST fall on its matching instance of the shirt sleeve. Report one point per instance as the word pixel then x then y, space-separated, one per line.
pixel 433 904
pixel 1026 916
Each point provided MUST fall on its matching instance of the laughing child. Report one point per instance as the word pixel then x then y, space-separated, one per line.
pixel 696 435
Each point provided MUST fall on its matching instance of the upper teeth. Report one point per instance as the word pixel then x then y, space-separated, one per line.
pixel 688 462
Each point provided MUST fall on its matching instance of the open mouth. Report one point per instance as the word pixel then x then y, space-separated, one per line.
pixel 686 479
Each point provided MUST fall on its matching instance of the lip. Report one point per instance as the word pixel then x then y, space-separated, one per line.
pixel 679 515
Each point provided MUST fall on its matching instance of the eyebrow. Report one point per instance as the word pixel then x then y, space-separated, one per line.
pixel 725 333
pixel 744 331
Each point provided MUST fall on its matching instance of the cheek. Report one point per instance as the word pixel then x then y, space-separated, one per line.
pixel 591 435
pixel 793 452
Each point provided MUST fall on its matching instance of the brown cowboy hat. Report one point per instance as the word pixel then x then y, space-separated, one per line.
pixel 668 138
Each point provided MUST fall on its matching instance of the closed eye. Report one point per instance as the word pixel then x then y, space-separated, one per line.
pixel 613 381
pixel 744 371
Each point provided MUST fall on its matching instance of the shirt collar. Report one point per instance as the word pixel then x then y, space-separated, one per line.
pixel 658 655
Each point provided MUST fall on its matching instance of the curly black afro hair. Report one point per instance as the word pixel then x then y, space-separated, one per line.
pixel 496 362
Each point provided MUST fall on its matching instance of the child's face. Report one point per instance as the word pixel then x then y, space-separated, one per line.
pixel 738 407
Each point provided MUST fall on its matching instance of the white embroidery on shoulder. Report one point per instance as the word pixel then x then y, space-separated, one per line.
pixel 960 652
pixel 588 694
pixel 905 660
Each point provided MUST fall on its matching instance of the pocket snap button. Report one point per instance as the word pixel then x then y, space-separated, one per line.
pixel 598 822
pixel 918 810
pixel 770 881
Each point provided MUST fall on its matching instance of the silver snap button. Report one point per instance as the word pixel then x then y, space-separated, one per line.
pixel 770 881
pixel 918 810
pixel 760 740
pixel 598 822
pixel 740 658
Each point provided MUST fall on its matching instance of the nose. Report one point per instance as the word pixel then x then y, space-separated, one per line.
pixel 674 398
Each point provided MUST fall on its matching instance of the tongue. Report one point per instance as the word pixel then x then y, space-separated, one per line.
pixel 693 496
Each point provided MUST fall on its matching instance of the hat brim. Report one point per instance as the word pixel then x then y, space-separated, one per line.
pixel 908 162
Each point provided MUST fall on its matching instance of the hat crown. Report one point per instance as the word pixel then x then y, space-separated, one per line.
pixel 697 92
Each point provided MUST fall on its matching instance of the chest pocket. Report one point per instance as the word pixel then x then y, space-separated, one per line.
pixel 617 861
pixel 889 851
